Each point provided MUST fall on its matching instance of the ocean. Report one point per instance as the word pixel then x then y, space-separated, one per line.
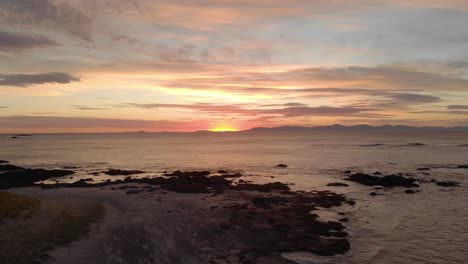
pixel 392 227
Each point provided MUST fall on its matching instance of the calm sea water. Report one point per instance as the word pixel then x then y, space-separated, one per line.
pixel 428 227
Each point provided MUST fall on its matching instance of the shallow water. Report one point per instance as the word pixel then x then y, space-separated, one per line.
pixel 427 227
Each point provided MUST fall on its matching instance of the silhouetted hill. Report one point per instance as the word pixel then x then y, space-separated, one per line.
pixel 338 127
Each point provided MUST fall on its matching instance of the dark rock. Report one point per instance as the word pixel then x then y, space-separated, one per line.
pixel 3 161
pixel 377 173
pixel 222 171
pixel 133 191
pixel 416 144
pixel 423 169
pixel 127 187
pixel 70 167
pixel 337 184
pixel 409 191
pixel 27 177
pixel 282 165
pixel 347 172
pixel 372 145
pixel 232 175
pixel 23 135
pixel 266 202
pixel 268 187
pixel 373 194
pixel 386 181
pixel 115 172
pixel 9 167
pixel 462 166
pixel 448 184
pixel 188 173
pixel 344 219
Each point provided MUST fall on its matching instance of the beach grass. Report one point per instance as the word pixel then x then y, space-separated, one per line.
pixel 15 205
pixel 54 224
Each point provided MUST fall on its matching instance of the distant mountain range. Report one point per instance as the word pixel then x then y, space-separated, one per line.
pixel 338 127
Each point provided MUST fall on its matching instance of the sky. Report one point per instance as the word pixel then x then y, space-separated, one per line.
pixel 222 65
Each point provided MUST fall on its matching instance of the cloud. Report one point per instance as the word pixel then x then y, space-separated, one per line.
pixel 349 79
pixel 288 110
pixel 23 80
pixel 81 107
pixel 66 16
pixel 457 107
pixel 414 98
pixel 58 123
pixel 386 77
pixel 10 41
pixel 451 112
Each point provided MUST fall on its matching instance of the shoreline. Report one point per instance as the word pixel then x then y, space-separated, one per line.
pixel 194 217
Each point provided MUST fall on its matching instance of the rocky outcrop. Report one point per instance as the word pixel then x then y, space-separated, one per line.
pixel 14 176
pixel 337 184
pixel 116 172
pixel 385 181
pixel 447 183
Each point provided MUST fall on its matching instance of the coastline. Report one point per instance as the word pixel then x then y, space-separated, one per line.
pixel 190 217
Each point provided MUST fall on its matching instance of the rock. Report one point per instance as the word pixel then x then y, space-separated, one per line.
pixel 386 181
pixel 188 173
pixel 127 187
pixel 70 167
pixel 373 194
pixel 372 145
pixel 9 167
pixel 222 171
pixel 133 191
pixel 266 202
pixel 282 165
pixel 377 173
pixel 347 172
pixel 462 167
pixel 448 184
pixel 268 187
pixel 21 177
pixel 416 144
pixel 232 175
pixel 337 184
pixel 423 169
pixel 409 191
pixel 114 172
pixel 3 161
pixel 344 219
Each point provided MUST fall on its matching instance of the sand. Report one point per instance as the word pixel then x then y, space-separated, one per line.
pixel 156 226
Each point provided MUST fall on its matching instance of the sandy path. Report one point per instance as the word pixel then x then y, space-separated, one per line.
pixel 149 227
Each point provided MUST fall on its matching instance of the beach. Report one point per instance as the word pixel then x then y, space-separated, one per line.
pixel 314 199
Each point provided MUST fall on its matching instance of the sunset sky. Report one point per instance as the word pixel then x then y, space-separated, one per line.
pixel 186 65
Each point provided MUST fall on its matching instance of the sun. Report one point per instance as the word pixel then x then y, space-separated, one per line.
pixel 224 128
